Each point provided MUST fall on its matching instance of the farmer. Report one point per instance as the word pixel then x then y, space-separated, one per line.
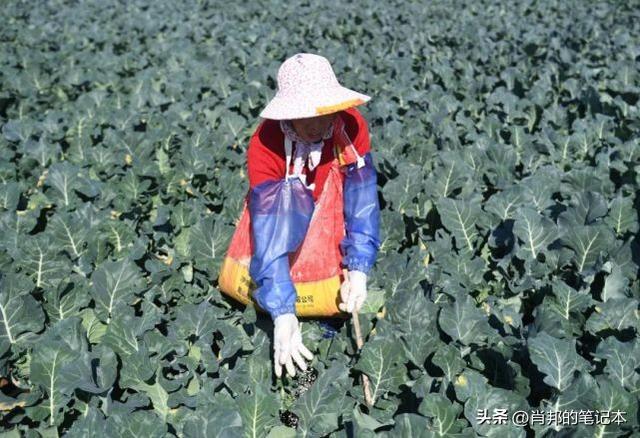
pixel 312 192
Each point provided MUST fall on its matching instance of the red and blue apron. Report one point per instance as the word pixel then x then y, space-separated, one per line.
pixel 287 253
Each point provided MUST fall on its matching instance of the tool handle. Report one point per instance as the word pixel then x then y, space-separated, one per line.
pixel 359 343
pixel 365 379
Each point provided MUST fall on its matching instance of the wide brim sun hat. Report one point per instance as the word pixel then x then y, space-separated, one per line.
pixel 308 87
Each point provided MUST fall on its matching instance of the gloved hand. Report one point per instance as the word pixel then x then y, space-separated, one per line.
pixel 353 292
pixel 287 345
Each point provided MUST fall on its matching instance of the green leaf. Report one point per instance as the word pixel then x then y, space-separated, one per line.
pixel 373 302
pixel 449 359
pixel 234 340
pixel 500 164
pixel 163 161
pixel 460 217
pixel 255 369
pixel 125 331
pixel 506 203
pixel 197 321
pixel 94 327
pixel 91 424
pixel 181 243
pixel 411 312
pixel 17 130
pixel 41 151
pixel 411 316
pixel 93 372
pixel 208 244
pixel 463 271
pixel 113 283
pixel 610 396
pixel 614 314
pixel 469 383
pixel 136 367
pixel 443 413
pixel 13 229
pixel 585 208
pixel 67 298
pixel 136 424
pixel 63 177
pixel 318 408
pixel 9 195
pixel 281 432
pixel 557 359
pixel 381 360
pixel 566 301
pixel 20 314
pixel 491 399
pixel 58 350
pixel 121 235
pixel 132 188
pixel 622 360
pixel 259 412
pixel 411 425
pixel 535 231
pixel 70 233
pixel 464 322
pixel 622 217
pixel 616 284
pixel 540 187
pixel 234 124
pixel 577 396
pixel 225 423
pixel 158 396
pixel 588 243
pixel 364 422
pixel 448 176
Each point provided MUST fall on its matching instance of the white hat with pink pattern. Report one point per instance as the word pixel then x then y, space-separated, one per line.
pixel 308 87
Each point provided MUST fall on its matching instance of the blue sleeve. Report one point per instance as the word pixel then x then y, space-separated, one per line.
pixel 362 217
pixel 280 213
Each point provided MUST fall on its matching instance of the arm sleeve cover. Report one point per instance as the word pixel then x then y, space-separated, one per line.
pixel 280 213
pixel 362 217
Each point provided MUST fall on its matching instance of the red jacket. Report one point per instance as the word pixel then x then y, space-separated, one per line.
pixel 266 157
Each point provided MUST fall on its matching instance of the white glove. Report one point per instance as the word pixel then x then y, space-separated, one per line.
pixel 287 345
pixel 353 292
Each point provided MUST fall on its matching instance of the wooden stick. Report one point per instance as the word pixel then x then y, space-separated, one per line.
pixel 359 343
pixel 365 379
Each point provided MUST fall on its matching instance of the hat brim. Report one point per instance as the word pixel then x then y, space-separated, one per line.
pixel 312 104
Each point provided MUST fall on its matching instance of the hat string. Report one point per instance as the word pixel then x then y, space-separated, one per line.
pixel 306 152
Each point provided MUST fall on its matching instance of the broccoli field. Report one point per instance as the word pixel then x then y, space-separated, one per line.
pixel 506 136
